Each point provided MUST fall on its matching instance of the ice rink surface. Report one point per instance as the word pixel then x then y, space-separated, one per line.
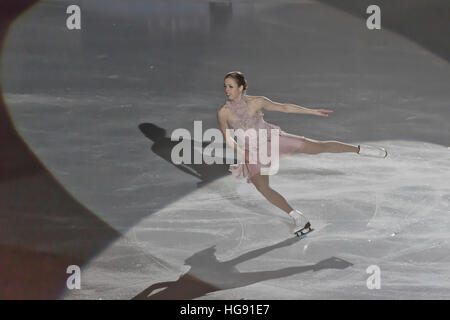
pixel 97 107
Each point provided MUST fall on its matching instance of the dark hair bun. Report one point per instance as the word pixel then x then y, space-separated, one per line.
pixel 238 77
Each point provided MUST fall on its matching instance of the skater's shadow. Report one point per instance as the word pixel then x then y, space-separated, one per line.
pixel 216 275
pixel 162 146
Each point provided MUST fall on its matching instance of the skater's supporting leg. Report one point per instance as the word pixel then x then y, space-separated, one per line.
pixel 261 182
pixel 315 147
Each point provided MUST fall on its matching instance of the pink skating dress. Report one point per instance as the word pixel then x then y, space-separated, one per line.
pixel 288 143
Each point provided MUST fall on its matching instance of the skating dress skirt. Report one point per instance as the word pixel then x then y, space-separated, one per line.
pixel 288 143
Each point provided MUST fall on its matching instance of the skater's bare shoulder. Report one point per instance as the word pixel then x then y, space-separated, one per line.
pixel 255 99
pixel 223 114
pixel 270 105
pixel 256 102
pixel 223 110
pixel 265 103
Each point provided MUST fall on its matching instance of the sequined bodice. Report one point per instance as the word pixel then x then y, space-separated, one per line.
pixel 246 121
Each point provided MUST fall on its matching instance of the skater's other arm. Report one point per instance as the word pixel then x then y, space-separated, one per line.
pixel 268 104
pixel 222 117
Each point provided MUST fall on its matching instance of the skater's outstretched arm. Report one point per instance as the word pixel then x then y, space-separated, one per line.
pixel 270 105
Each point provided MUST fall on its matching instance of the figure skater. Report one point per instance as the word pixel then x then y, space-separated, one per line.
pixel 244 112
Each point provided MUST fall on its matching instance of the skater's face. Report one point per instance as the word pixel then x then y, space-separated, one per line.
pixel 232 91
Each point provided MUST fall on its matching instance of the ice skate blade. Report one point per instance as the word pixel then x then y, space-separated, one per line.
pixel 305 227
pixel 303 232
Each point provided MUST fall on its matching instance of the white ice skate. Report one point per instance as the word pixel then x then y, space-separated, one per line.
pixel 370 151
pixel 302 225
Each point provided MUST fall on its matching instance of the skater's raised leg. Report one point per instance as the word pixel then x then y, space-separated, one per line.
pixel 316 147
